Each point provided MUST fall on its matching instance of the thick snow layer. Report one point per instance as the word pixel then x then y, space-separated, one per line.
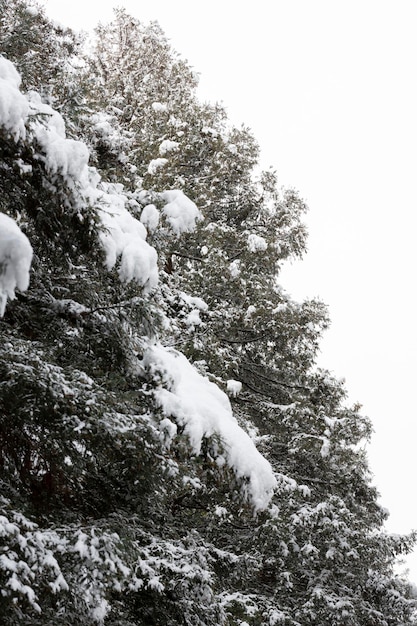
pixel 63 156
pixel 14 107
pixel 168 146
pixel 256 243
pixel 181 212
pixel 203 410
pixel 234 387
pixel 15 259
pixel 150 217
pixel 158 107
pixel 156 164
pixel 125 236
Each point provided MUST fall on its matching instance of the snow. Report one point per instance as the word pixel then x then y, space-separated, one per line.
pixel 220 511
pixel 181 212
pixel 234 387
pixel 194 301
pixel 168 146
pixel 15 259
pixel 206 130
pixel 150 217
pixel 99 612
pixel 125 236
pixel 168 430
pixel 158 107
pixel 14 107
pixel 256 243
pixel 250 311
pixel 193 319
pixel 234 268
pixel 203 410
pixel 63 156
pixel 156 164
pixel 325 448
pixel 196 304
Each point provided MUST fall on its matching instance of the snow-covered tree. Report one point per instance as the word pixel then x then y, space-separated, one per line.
pixel 169 452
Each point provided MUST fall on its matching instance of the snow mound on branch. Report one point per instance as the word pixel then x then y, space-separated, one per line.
pixel 14 107
pixel 204 410
pixel 256 243
pixel 181 212
pixel 125 236
pixel 150 217
pixel 168 146
pixel 122 236
pixel 63 156
pixel 234 387
pixel 158 107
pixel 156 164
pixel 15 259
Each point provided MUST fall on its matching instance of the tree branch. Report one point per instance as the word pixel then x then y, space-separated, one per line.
pixel 186 256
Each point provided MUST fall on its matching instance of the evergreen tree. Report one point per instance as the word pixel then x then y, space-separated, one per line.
pixel 131 494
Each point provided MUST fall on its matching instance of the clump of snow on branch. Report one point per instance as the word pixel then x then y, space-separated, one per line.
pixel 234 268
pixel 14 107
pixel 196 305
pixel 168 146
pixel 125 237
pixel 194 301
pixel 62 156
pixel 156 164
pixel 180 212
pixel 150 217
pixel 256 243
pixel 203 410
pixel 122 236
pixel 158 107
pixel 234 387
pixel 15 259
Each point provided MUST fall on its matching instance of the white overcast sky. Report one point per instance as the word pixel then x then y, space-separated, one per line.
pixel 329 89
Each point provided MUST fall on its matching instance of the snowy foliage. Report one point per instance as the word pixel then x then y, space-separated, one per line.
pixel 205 411
pixel 169 451
pixel 14 107
pixel 181 213
pixel 15 259
pixel 124 236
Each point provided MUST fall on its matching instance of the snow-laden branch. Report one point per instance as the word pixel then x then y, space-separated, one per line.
pixel 204 410
pixel 123 237
pixel 15 259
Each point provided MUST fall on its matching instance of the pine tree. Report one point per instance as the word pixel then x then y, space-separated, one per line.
pixel 130 493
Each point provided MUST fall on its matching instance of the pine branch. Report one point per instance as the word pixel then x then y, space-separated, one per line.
pixel 186 256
